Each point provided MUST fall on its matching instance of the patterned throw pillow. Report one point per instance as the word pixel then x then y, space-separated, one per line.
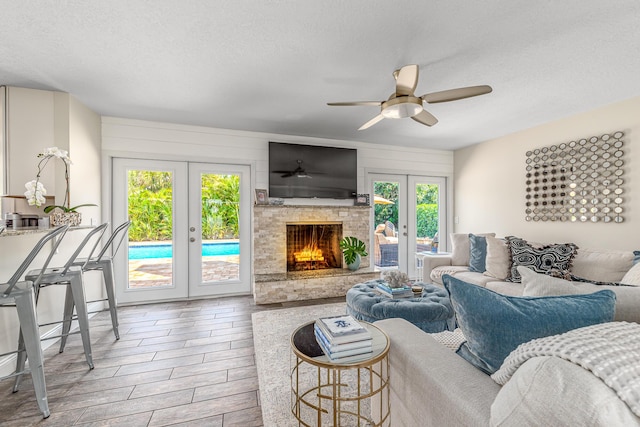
pixel 539 259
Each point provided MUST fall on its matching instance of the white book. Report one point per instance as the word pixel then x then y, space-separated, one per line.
pixel 347 338
pixel 341 325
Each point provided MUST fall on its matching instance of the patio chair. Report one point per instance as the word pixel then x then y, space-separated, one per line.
pixel 385 252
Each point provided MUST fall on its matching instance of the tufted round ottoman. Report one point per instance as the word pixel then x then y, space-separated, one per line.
pixel 431 312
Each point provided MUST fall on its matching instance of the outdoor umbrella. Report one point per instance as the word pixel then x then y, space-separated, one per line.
pixel 379 200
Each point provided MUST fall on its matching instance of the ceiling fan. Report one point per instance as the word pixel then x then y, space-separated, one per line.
pixel 403 103
pixel 297 172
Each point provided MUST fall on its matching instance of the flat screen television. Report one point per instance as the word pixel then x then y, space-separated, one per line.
pixel 309 171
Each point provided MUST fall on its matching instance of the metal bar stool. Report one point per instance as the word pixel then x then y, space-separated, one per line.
pixel 71 277
pixel 104 262
pixel 20 294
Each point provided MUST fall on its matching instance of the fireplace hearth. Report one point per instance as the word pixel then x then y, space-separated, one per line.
pixel 313 246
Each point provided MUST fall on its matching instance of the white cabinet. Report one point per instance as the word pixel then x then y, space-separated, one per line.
pixel 29 130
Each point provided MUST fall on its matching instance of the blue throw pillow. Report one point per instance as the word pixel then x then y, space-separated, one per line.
pixel 495 324
pixel 477 253
pixel 636 257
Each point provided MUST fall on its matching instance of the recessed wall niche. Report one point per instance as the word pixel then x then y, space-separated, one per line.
pixel 577 181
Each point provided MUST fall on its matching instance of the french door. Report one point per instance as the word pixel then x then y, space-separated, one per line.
pixel 189 235
pixel 408 218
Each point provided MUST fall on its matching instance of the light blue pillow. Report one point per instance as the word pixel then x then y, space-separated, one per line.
pixel 477 253
pixel 495 324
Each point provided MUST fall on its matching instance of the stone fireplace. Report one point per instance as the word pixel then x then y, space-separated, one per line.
pixel 277 277
pixel 313 246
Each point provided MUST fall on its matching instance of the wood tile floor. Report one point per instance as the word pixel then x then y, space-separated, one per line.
pixel 176 364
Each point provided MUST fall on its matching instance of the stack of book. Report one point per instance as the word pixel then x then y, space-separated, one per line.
pixel 388 291
pixel 342 336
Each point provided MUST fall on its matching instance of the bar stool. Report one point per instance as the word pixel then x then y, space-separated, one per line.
pixel 20 294
pixel 104 262
pixel 71 277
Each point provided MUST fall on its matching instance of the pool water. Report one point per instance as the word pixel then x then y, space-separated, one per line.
pixel 164 250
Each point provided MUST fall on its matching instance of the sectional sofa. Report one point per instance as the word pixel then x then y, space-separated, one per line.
pixel 432 385
pixel 595 265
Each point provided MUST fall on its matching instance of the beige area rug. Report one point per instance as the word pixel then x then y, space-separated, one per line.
pixel 271 337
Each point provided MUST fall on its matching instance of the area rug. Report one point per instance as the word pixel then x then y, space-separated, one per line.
pixel 271 337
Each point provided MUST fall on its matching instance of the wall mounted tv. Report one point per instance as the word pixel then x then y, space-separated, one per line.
pixel 306 171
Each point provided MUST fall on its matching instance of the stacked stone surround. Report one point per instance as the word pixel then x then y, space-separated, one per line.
pixel 271 283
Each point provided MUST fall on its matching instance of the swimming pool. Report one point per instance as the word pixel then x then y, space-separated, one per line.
pixel 165 250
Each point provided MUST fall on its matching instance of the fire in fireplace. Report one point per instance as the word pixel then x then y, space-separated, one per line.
pixel 314 246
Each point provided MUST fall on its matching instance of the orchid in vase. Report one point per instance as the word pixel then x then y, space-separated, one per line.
pixel 35 189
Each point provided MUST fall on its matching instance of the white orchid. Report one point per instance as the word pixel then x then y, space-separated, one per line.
pixel 56 152
pixel 35 190
pixel 35 193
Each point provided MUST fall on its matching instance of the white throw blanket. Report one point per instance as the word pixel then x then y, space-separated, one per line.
pixel 611 351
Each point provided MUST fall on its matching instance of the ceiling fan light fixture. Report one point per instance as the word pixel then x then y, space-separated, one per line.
pixel 401 107
pixel 404 103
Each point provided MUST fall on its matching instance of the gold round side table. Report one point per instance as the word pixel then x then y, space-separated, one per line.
pixel 353 391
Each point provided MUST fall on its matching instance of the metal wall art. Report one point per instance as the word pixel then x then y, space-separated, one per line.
pixel 578 181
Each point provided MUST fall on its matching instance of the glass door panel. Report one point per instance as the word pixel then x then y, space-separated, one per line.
pixel 220 247
pixel 153 195
pixel 385 223
pixel 219 221
pixel 427 201
pixel 150 203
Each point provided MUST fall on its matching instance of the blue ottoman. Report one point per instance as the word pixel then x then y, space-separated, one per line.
pixel 432 311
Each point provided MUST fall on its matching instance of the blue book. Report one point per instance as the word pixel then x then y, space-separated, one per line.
pixel 385 287
pixel 343 354
pixel 396 293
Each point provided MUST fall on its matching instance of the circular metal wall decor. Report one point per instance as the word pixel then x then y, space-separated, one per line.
pixel 577 181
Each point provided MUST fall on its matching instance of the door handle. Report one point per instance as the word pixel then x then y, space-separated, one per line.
pixel 192 229
pixel 192 239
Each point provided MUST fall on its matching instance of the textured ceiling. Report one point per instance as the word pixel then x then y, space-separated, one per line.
pixel 272 65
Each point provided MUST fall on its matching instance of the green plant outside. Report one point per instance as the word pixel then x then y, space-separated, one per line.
pixel 426 207
pixel 150 206
pixel 427 217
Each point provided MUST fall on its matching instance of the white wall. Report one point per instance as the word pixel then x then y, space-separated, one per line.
pixel 489 184
pixel 30 128
pixel 164 141
pixel 85 149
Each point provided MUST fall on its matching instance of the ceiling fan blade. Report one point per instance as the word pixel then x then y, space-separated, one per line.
pixel 356 103
pixel 371 122
pixel 455 94
pixel 426 118
pixel 406 80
